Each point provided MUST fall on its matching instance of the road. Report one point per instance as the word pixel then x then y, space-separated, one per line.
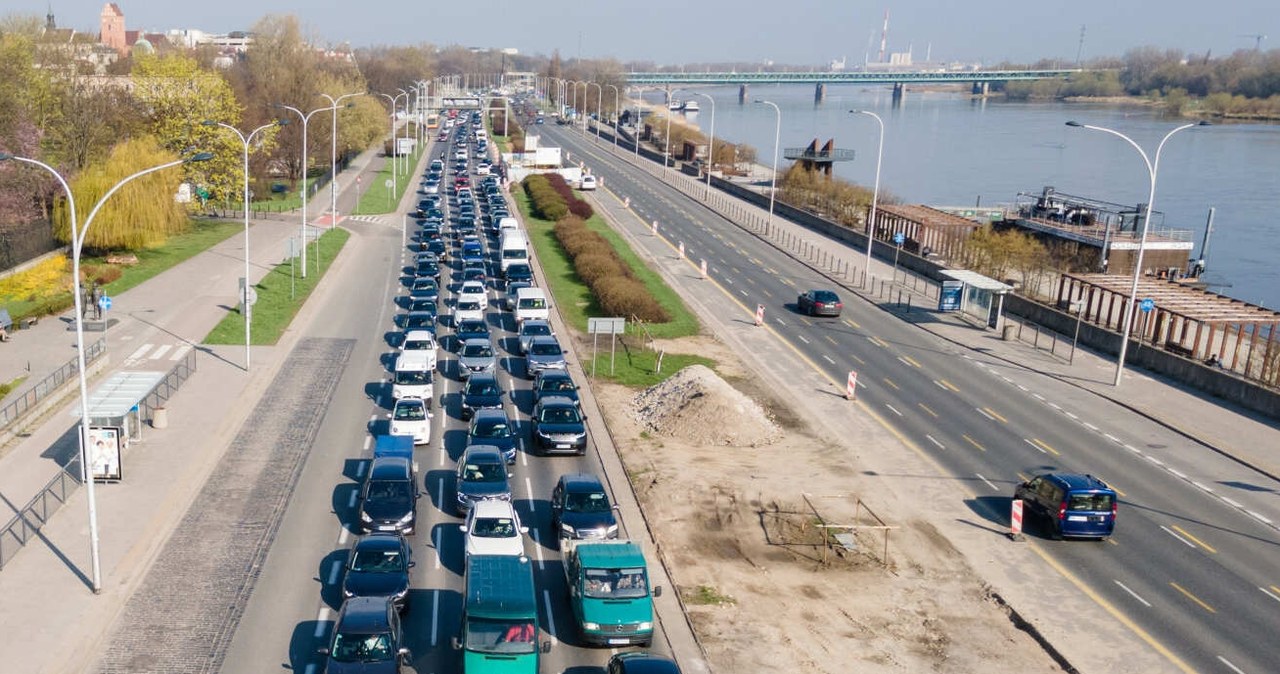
pixel 291 614
pixel 1192 573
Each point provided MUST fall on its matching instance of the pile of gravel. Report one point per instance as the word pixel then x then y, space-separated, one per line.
pixel 697 406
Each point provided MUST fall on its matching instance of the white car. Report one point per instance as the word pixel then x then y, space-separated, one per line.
pixel 474 291
pixel 493 528
pixel 482 170
pixel 422 341
pixel 410 416
pixel 588 183
pixel 468 310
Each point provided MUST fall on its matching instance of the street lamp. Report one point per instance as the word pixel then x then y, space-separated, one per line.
pixel 333 156
pixel 395 155
pixel 711 144
pixel 875 193
pixel 77 244
pixel 777 136
pixel 404 167
pixel 599 107
pixel 306 119
pixel 246 141
pixel 1153 166
pixel 617 115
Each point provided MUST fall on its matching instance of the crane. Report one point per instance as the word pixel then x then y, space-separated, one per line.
pixel 1257 40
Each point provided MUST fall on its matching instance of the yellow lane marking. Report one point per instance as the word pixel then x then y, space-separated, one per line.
pixel 948 385
pixel 1193 539
pixel 829 339
pixel 1114 488
pixel 926 408
pixel 853 324
pixel 877 342
pixel 1276 589
pixel 996 415
pixel 890 382
pixel 1045 446
pixel 860 361
pixel 911 361
pixel 1192 597
pixel 973 442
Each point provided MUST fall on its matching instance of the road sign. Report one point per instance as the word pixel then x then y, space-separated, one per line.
pixel 851 385
pixel 606 326
pixel 388 184
pixel 251 295
pixel 1147 304
pixel 899 238
pixel 759 314
pixel 104 303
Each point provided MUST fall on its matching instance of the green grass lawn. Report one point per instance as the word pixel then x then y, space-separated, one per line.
pixel 279 297
pixel 638 367
pixel 291 200
pixel 376 198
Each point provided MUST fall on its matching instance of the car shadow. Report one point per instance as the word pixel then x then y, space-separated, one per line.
pixel 514 366
pixel 994 509
pixel 380 426
pixel 450 543
pixel 330 577
pixel 522 399
pixel 304 643
pixel 428 639
pixel 346 505
pixel 439 487
pixel 393 337
pixel 379 393
pixel 455 442
pixel 355 469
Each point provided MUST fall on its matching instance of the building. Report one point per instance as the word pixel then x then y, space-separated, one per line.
pixel 113 34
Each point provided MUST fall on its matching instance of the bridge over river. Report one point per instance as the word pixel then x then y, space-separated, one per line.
pixel 980 79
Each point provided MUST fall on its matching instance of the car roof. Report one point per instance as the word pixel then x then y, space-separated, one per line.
pixel 581 482
pixel 1078 481
pixel 476 341
pixel 476 453
pixel 493 508
pixel 409 402
pixel 557 401
pixel 544 339
pixel 638 662
pixel 494 413
pixel 390 468
pixel 380 540
pixel 413 359
pixel 535 321
pixel 419 334
pixel 364 615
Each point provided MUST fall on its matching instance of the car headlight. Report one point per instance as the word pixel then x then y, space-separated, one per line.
pixel 612 530
pixel 565 528
pixel 407 518
pixel 544 434
pixel 347 593
pixel 591 626
pixel 646 626
pixel 364 517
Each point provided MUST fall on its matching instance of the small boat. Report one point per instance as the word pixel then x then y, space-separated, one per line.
pixel 690 106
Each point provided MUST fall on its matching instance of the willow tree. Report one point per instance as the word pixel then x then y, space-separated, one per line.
pixel 141 214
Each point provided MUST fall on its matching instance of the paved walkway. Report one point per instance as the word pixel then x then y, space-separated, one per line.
pixel 48 614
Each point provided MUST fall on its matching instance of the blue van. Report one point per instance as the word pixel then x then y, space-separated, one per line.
pixel 1070 505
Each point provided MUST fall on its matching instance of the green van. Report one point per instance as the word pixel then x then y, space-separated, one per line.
pixel 610 593
pixel 499 617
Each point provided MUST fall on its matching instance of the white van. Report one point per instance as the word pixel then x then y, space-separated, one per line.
pixel 413 376
pixel 514 248
pixel 507 223
pixel 531 303
pixel 481 136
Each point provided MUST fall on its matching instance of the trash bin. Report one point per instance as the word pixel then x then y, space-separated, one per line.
pixel 160 418
pixel 1007 332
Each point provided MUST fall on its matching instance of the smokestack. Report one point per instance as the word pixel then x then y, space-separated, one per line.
pixel 884 34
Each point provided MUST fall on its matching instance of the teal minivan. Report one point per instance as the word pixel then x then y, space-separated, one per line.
pixel 610 593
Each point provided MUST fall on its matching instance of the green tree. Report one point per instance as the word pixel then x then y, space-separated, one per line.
pixel 176 98
pixel 141 214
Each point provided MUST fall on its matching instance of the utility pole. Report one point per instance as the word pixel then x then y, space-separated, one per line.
pixel 1080 48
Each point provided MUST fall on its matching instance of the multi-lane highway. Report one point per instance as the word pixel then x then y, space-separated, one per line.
pixel 1190 572
pixel 298 596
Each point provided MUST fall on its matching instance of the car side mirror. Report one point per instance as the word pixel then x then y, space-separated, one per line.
pixel 412 564
pixel 456 643
pixel 405 655
pixel 462 528
pixel 322 651
pixel 524 530
pixel 511 474
pixel 657 590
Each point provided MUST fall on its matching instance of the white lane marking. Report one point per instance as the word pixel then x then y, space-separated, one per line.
pixel 351 502
pixel 439 554
pixel 801 338
pixel 779 321
pixel 1054 406
pixel 744 293
pixel 179 352
pixel 1233 504
pixel 551 621
pixel 1202 487
pixel 528 488
pixel 1227 662
pixel 138 352
pixel 333 575
pixel 1071 416
pixel 1133 594
pixel 537 548
pixel 989 483
pixel 984 413
pixel 435 617
pixel 1177 472
pixel 1258 517
pixel 1021 387
pixel 1091 427
pixel 828 359
pixel 368 440
pixel 891 409
pixel 444 454
pixel 360 469
pixel 935 442
pixel 1133 449
pixel 1113 438
pixel 1269 593
pixel 1169 531
pixel 1037 396
pixel 344 536
pixel 160 351
pixel 1037 447
pixel 1154 460
pixel 321 619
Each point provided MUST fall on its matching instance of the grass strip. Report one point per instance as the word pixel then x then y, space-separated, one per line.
pixel 638 367
pixel 378 199
pixel 281 294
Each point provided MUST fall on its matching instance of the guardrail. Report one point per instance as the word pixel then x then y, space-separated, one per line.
pixel 17 408
pixel 38 511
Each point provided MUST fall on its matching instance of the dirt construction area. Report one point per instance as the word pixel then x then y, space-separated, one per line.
pixel 753 511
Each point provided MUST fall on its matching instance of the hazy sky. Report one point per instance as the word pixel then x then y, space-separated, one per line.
pixel 679 31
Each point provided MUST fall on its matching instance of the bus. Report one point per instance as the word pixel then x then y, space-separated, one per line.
pixel 433 121
pixel 499 617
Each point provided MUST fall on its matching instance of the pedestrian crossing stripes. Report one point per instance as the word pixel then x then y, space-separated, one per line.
pixel 375 219
pixel 153 352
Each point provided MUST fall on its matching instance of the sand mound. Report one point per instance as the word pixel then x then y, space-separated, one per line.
pixel 697 406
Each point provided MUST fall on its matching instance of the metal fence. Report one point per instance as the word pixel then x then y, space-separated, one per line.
pixel 39 510
pixel 17 408
pixel 166 387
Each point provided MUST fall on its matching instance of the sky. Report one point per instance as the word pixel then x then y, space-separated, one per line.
pixel 798 32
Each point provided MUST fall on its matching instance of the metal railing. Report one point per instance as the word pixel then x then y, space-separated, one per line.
pixel 17 408
pixel 39 510
pixel 165 388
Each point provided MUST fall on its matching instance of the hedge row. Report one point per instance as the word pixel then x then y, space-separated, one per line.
pixel 547 203
pixel 596 262
pixel 577 206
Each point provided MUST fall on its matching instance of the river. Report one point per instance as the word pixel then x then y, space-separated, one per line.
pixel 944 148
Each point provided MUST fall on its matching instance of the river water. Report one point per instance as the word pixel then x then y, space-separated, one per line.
pixel 944 148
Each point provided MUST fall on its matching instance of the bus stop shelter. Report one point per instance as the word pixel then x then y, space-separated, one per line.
pixel 981 297
pixel 114 419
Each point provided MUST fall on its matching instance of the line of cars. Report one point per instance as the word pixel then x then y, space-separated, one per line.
pixel 453 256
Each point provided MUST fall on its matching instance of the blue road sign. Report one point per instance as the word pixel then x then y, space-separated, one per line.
pixel 1147 305
pixel 104 303
pixel 899 238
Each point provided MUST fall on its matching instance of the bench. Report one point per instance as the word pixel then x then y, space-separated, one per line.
pixel 1178 350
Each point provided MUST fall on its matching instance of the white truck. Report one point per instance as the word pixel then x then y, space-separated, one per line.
pixel 514 248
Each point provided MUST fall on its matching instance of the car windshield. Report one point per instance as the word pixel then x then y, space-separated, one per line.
pixel 360 647
pixel 413 377
pixel 419 345
pixel 825 296
pixel 494 527
pixel 586 502
pixel 535 329
pixel 559 415
pixel 553 384
pixel 544 349
pixel 418 321
pixel 1094 503
pixel 615 583
pixel 424 283
pixel 477 351
pixel 410 412
pixel 491 429
pixel 478 388
pixel 533 303
pixel 391 490
pixel 468 306
pixel 377 561
pixel 500 636
pixel 484 472
pixel 422 305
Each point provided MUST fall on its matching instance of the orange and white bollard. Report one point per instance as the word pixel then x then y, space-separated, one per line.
pixel 1015 520
pixel 703 268
pixel 759 314
pixel 682 250
pixel 851 386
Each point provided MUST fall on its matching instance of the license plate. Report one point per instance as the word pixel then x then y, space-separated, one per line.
pixel 1077 518
pixel 562 446
pixel 619 641
pixel 387 528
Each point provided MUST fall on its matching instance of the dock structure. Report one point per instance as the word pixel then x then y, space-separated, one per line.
pixel 812 158
pixel 1100 235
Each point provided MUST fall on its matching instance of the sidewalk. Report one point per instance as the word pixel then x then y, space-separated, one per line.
pixel 48 613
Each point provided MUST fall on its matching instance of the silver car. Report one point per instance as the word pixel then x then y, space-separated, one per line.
pixel 534 327
pixel 476 355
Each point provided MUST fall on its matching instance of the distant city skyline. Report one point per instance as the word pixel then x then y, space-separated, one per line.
pixel 668 32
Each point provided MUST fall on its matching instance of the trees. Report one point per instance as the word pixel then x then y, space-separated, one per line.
pixel 141 214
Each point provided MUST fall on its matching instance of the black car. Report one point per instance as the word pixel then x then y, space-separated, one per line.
pixel 639 662
pixel 425 287
pixel 482 474
pixel 555 383
pixel 419 320
pixel 819 303
pixel 519 271
pixel 559 426
pixel 429 268
pixel 580 509
pixel 492 427
pixel 367 638
pixel 378 566
pixel 389 498
pixel 471 329
pixel 437 246
pixel 420 304
pixel 481 392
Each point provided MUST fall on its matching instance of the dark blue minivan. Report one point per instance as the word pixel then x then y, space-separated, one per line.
pixel 1070 505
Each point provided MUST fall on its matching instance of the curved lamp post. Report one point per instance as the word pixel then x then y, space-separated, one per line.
pixel 395 155
pixel 77 244
pixel 599 107
pixel 1153 167
pixel 246 140
pixel 875 192
pixel 777 136
pixel 711 144
pixel 306 119
pixel 617 114
pixel 333 155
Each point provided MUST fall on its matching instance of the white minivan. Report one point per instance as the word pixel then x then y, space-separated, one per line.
pixel 531 303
